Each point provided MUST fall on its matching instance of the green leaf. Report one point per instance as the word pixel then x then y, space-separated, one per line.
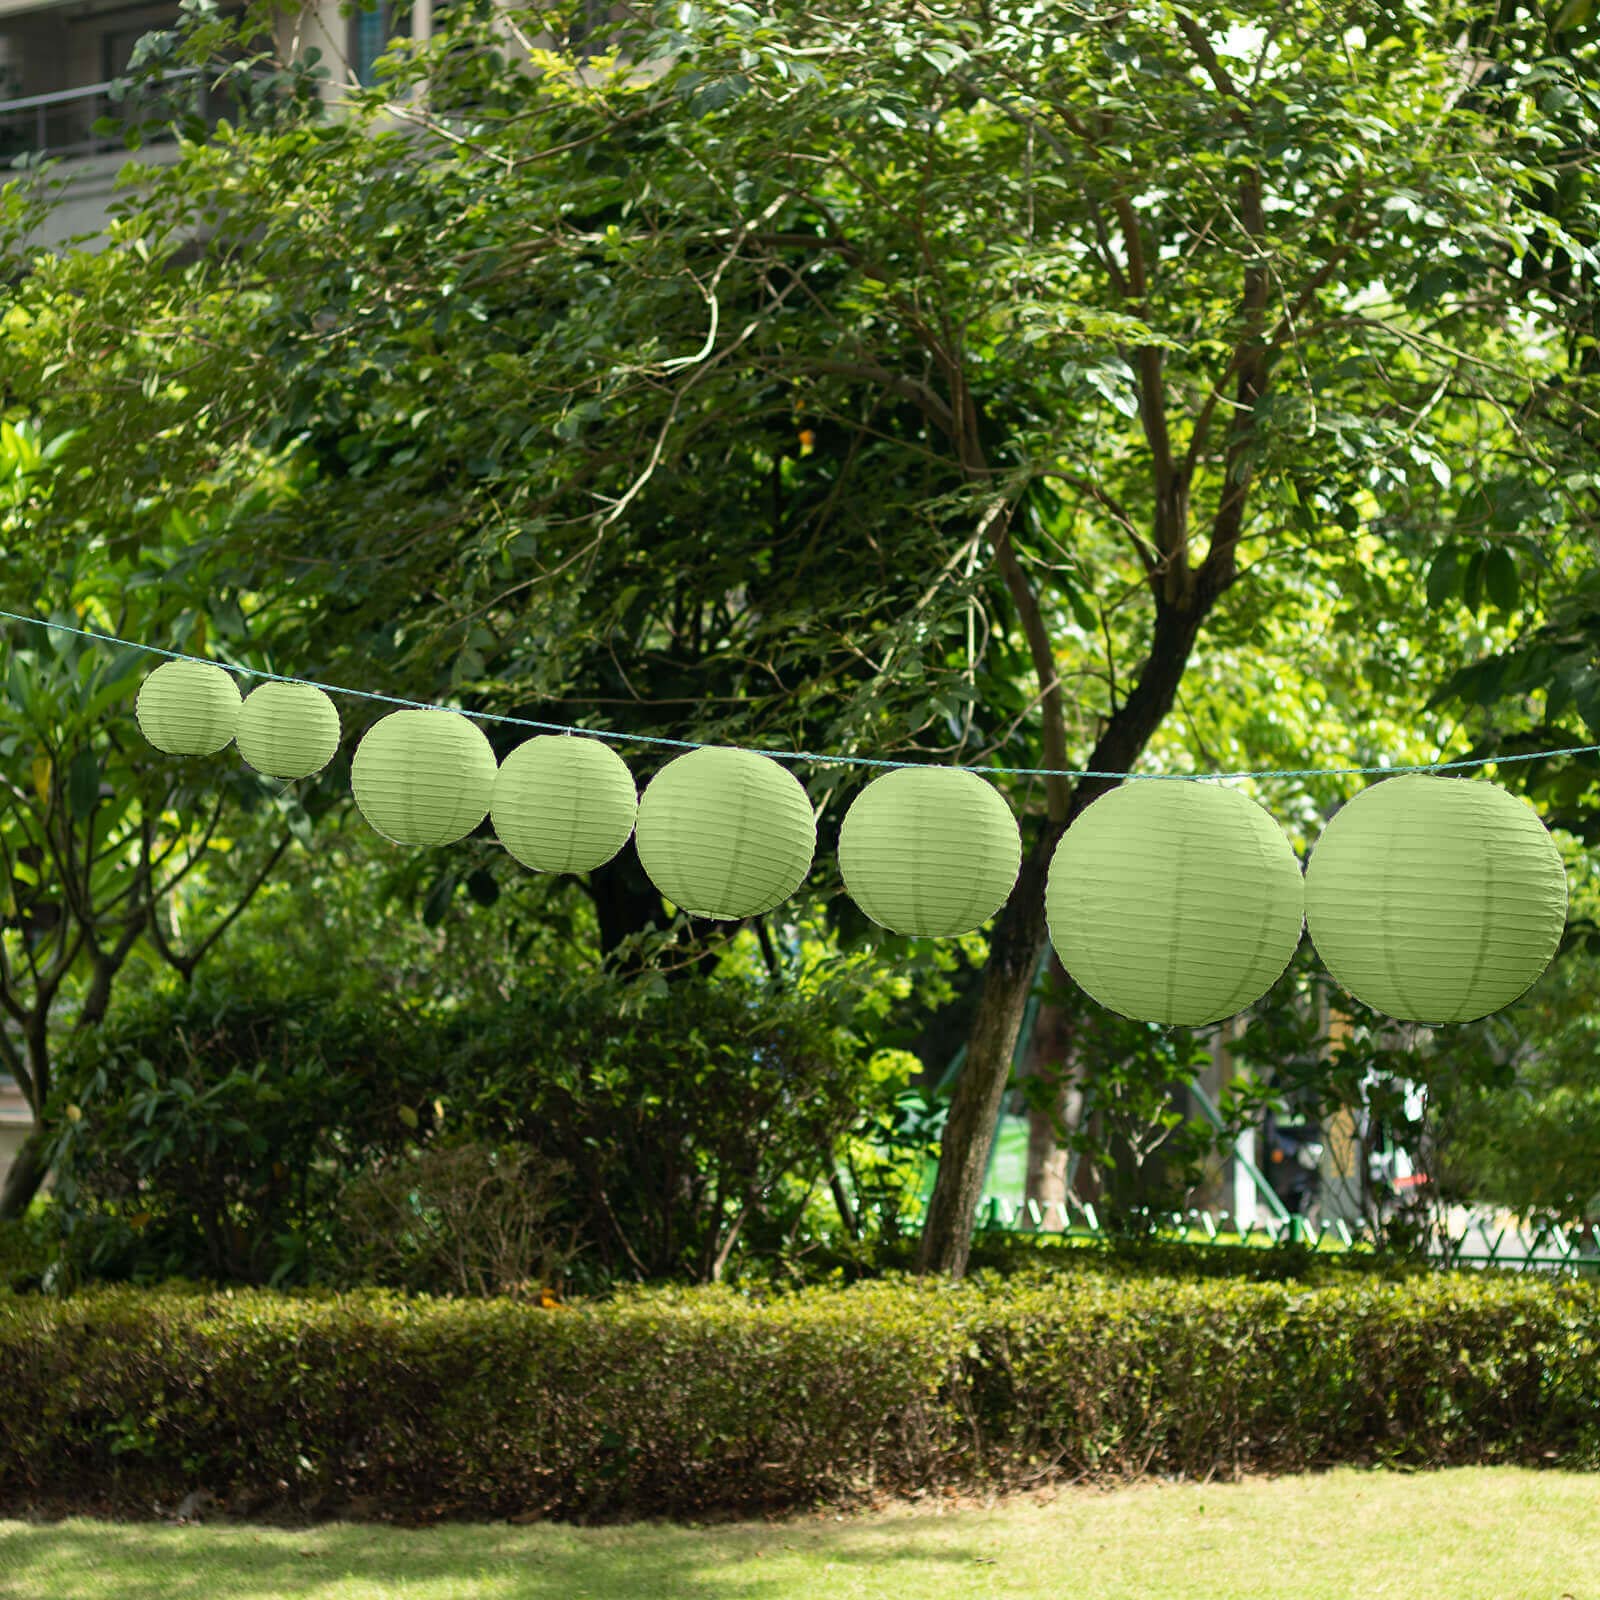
pixel 298 823
pixel 1500 578
pixel 1472 583
pixel 483 887
pixel 101 701
pixel 83 783
pixel 1444 577
pixel 1587 700
pixel 438 901
pixel 1083 613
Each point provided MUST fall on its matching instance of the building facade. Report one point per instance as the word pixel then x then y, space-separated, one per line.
pixel 60 96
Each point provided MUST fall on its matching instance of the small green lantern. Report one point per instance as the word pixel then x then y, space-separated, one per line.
pixel 929 851
pixel 725 833
pixel 188 708
pixel 1436 899
pixel 1174 901
pixel 563 804
pixel 287 730
pixel 423 777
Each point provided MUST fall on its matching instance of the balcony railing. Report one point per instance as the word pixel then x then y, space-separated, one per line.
pixel 64 123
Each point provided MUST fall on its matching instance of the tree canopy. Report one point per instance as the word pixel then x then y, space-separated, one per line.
pixel 973 385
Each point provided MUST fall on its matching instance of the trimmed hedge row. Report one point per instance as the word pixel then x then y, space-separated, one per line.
pixel 687 1401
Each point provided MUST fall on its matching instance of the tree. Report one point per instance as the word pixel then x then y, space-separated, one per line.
pixel 1231 249
pixel 1518 1119
pixel 1077 313
pixel 101 837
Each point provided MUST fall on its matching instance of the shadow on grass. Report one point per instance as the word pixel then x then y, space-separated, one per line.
pixel 81 1560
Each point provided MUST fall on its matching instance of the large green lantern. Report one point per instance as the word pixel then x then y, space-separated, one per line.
pixel 423 777
pixel 287 730
pixel 1435 899
pixel 563 804
pixel 188 708
pixel 1174 901
pixel 725 833
pixel 929 850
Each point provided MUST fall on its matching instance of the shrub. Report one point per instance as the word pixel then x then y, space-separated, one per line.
pixel 1037 1255
pixel 455 1218
pixel 691 1121
pixel 681 1402
pixel 217 1126
pixel 1046 1256
pixel 26 1247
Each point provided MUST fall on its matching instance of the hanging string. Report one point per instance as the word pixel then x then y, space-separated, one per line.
pixel 793 755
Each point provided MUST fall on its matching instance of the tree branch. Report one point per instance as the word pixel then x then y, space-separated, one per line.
pixel 1215 70
pixel 194 957
pixel 1118 511
pixel 1058 790
pixel 932 406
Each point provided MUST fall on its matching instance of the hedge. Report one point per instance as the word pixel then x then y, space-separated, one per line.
pixel 692 1401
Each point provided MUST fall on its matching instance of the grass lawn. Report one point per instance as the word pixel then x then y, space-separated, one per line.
pixel 1466 1534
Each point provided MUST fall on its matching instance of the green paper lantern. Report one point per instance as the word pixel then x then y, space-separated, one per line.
pixel 725 833
pixel 188 708
pixel 1174 901
pixel 1435 899
pixel 287 730
pixel 929 851
pixel 423 777
pixel 563 804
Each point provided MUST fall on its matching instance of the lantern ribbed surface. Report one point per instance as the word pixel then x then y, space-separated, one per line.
pixel 563 804
pixel 188 708
pixel 725 833
pixel 423 777
pixel 929 851
pixel 287 730
pixel 1436 899
pixel 1174 902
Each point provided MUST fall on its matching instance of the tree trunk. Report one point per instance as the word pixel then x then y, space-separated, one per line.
pixel 27 1173
pixel 1018 942
pixel 1053 1057
pixel 1020 937
pixel 625 901
pixel 30 1168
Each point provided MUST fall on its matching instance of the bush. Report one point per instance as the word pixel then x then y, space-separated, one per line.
pixel 461 1218
pixel 26 1247
pixel 682 1402
pixel 1037 1255
pixel 1045 1256
pixel 213 1130
pixel 693 1122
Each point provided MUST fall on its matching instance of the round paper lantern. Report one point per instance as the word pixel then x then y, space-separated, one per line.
pixel 563 804
pixel 929 850
pixel 423 777
pixel 188 708
pixel 1174 901
pixel 725 833
pixel 287 730
pixel 1435 899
